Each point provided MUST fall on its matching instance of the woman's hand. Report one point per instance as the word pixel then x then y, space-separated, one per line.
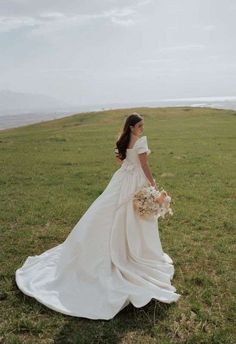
pixel 161 198
pixel 153 183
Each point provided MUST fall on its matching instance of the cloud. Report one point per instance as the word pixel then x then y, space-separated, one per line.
pixel 209 28
pixel 187 47
pixel 44 20
pixel 156 60
pixel 125 16
pixel 13 23
pixel 204 27
pixel 123 22
pixel 52 15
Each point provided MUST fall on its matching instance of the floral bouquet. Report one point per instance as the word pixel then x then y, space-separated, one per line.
pixel 149 203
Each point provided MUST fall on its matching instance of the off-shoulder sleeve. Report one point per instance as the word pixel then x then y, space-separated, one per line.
pixel 142 145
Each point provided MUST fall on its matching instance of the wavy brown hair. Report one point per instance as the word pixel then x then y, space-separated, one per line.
pixel 124 137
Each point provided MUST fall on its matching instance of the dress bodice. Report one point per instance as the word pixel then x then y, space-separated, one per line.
pixel 132 159
pixel 140 146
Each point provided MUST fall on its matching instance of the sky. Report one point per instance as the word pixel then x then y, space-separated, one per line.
pixel 105 51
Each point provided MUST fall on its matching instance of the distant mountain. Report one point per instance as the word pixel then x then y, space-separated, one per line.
pixel 11 101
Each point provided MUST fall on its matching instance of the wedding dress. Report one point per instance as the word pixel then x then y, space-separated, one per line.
pixel 110 258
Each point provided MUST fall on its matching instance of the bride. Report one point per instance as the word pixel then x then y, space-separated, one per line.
pixel 111 257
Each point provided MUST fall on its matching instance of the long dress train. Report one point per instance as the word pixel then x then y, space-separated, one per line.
pixel 110 258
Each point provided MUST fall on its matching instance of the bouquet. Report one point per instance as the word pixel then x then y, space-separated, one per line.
pixel 149 203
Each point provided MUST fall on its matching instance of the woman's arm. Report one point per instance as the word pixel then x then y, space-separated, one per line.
pixel 146 169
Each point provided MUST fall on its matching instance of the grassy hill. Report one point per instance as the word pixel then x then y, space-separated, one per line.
pixel 52 171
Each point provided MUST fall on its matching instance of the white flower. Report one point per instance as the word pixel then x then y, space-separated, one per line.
pixel 146 205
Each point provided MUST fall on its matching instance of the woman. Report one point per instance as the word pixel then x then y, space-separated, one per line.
pixel 111 257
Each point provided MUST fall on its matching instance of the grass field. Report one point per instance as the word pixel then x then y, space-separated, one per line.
pixel 52 171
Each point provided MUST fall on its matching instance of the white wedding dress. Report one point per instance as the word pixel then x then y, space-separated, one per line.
pixel 110 258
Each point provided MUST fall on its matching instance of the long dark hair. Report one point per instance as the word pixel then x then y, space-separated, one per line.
pixel 124 137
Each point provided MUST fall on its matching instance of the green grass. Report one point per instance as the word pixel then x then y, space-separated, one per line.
pixel 50 174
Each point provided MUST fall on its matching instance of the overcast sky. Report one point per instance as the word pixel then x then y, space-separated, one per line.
pixel 103 51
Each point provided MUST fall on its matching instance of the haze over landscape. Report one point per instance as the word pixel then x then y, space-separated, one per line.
pixel 67 57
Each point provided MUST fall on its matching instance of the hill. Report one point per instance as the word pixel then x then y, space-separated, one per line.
pixel 51 172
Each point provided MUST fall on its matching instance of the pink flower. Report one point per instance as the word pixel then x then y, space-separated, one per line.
pixel 149 202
